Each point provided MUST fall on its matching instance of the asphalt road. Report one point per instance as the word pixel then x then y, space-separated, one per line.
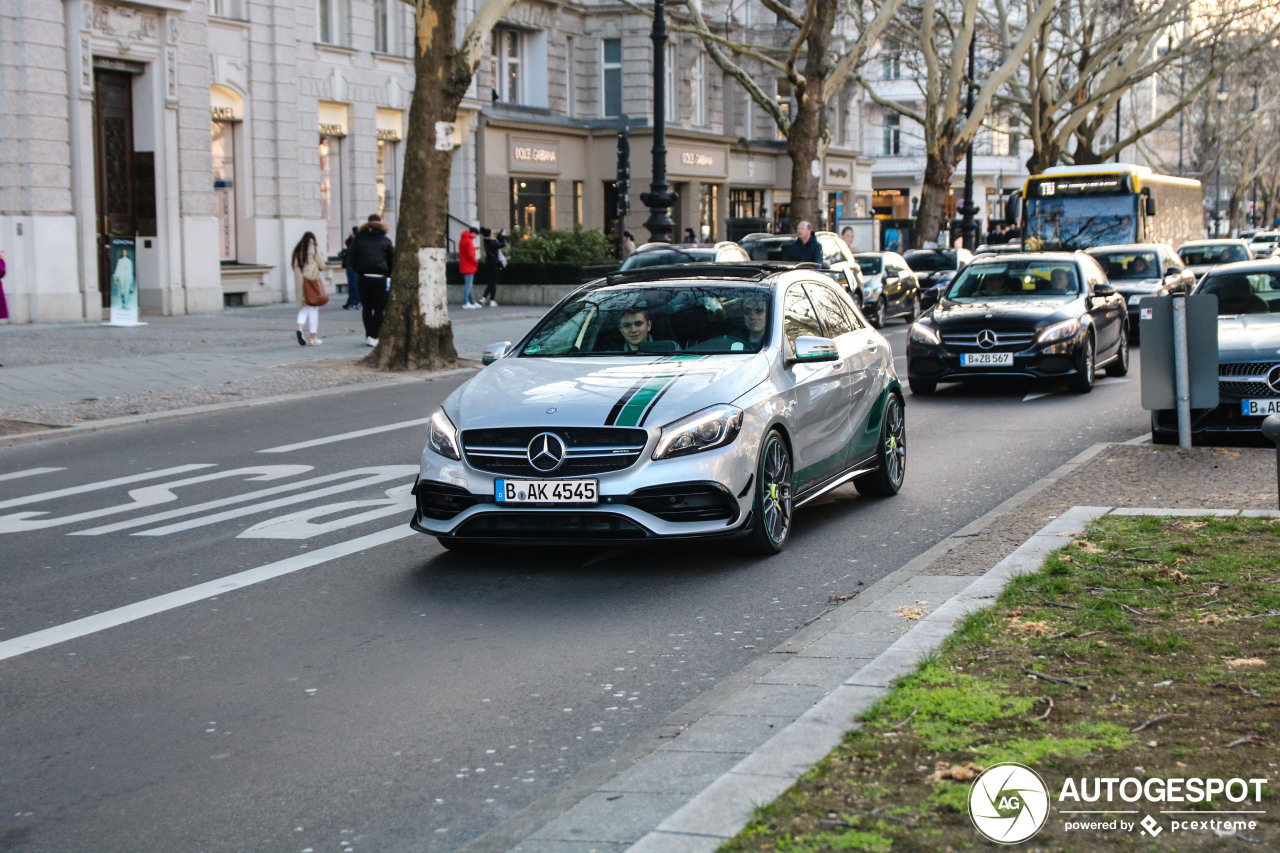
pixel 340 683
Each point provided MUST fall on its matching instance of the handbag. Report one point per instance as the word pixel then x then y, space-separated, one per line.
pixel 313 292
pixel 502 259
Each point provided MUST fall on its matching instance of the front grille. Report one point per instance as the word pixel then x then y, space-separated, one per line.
pixel 1246 379
pixel 1011 341
pixel 588 450
pixel 550 524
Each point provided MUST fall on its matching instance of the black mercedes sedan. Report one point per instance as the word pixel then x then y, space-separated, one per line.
pixel 1042 315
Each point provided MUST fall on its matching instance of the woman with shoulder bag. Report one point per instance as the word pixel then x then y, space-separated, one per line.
pixel 309 287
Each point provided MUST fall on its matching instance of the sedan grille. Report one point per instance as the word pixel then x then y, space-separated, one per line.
pixel 1247 379
pixel 1010 341
pixel 588 450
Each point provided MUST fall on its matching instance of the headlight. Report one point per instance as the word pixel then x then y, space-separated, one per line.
pixel 1059 331
pixel 442 436
pixel 713 427
pixel 924 333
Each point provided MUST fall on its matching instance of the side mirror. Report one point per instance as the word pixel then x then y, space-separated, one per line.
pixel 811 350
pixel 493 352
pixel 1151 206
pixel 1103 290
pixel 891 278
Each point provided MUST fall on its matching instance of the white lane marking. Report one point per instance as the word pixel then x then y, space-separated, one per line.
pixel 316 442
pixel 161 603
pixel 367 477
pixel 143 497
pixel 30 472
pixel 1110 380
pixel 104 484
pixel 302 524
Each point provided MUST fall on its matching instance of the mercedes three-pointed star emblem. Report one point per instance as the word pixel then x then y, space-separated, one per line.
pixel 986 339
pixel 1273 378
pixel 546 451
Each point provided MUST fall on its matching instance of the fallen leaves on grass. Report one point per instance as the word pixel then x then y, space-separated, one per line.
pixel 1244 662
pixel 1088 547
pixel 1028 628
pixel 959 772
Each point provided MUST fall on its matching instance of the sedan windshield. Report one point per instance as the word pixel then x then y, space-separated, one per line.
pixel 1244 293
pixel 625 320
pixel 1015 280
pixel 869 264
pixel 928 260
pixel 1122 265
pixel 1206 255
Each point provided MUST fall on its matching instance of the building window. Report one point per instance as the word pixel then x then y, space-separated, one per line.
pixel 669 110
pixel 333 28
pixel 224 187
pixel 891 61
pixel 892 134
pixel 384 26
pixel 533 204
pixel 745 203
pixel 577 204
pixel 387 183
pixel 235 9
pixel 570 89
pixel 698 90
pixel 331 190
pixel 611 80
pixel 508 74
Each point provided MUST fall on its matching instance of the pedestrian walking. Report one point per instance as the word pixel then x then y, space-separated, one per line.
pixel 689 236
pixel 309 287
pixel 468 263
pixel 628 244
pixel 372 255
pixel 494 261
pixel 353 278
pixel 4 305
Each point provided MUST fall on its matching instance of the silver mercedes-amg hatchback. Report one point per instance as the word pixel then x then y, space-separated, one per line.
pixel 699 400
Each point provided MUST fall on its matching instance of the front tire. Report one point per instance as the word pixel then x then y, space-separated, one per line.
pixel 891 454
pixel 914 312
pixel 1119 366
pixel 1082 382
pixel 771 508
pixel 877 317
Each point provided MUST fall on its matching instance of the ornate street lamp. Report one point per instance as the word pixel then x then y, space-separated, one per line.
pixel 968 227
pixel 660 197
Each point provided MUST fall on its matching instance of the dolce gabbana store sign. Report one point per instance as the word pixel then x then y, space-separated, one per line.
pixel 697 162
pixel 533 155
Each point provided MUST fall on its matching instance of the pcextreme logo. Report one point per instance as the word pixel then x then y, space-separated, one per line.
pixel 1008 802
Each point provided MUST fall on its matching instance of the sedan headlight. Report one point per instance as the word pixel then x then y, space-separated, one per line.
pixel 1060 331
pixel 925 333
pixel 712 427
pixel 442 436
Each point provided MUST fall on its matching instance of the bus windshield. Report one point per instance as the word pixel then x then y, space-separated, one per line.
pixel 1078 222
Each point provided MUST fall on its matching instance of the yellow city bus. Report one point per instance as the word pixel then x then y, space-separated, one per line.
pixel 1078 207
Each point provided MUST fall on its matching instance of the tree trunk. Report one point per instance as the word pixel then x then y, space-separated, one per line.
pixel 939 167
pixel 416 332
pixel 802 147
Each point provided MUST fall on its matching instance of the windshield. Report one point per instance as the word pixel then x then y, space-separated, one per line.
pixel 1206 255
pixel 636 260
pixel 1244 293
pixel 1079 222
pixel 651 320
pixel 1122 265
pixel 1015 280
pixel 927 260
pixel 767 250
pixel 869 264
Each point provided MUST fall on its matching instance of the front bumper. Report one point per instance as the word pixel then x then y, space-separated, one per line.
pixel 941 362
pixel 1225 421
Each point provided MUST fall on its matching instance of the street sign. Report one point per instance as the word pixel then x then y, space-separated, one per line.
pixel 1158 357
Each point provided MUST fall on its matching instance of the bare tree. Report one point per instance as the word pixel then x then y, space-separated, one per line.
pixel 815 50
pixel 416 332
pixel 941 49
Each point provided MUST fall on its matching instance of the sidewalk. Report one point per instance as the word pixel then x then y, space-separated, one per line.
pixel 69 374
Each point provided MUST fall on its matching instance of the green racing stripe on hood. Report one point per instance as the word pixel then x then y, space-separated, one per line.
pixel 635 409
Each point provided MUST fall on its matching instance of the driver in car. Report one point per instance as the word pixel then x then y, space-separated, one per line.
pixel 1060 281
pixel 636 327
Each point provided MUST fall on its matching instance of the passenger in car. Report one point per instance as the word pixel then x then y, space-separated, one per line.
pixel 636 327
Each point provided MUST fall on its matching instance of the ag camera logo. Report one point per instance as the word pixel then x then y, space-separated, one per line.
pixel 1008 802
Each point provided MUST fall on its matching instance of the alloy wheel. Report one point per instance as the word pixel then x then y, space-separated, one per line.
pixel 775 481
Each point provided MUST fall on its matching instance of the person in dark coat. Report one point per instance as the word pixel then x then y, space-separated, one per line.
pixel 805 247
pixel 353 277
pixel 493 246
pixel 371 255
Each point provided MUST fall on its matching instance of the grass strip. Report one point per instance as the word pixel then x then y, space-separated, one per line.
pixel 1148 648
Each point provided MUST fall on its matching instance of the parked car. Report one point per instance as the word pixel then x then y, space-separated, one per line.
pixel 661 254
pixel 935 269
pixel 1248 355
pixel 1263 244
pixel 891 288
pixel 667 403
pixel 1136 270
pixel 1200 256
pixel 1045 315
pixel 837 257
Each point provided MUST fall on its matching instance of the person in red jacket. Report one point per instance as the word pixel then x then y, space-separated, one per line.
pixel 467 265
